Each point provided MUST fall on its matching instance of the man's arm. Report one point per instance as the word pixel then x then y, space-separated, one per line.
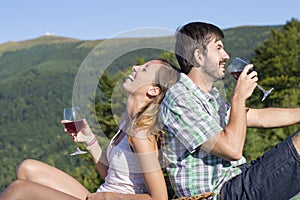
pixel 229 143
pixel 273 117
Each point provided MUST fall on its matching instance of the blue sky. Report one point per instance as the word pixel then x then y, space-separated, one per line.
pixel 95 19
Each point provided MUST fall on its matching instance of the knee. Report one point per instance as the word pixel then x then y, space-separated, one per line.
pixel 13 190
pixel 25 168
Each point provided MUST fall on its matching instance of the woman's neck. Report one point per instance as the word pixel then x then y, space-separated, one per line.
pixel 135 105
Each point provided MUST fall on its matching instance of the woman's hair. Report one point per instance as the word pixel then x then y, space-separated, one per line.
pixel 147 118
pixel 192 36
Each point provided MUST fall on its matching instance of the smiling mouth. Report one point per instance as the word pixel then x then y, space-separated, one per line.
pixel 222 65
pixel 131 77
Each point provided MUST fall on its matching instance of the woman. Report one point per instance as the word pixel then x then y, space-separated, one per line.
pixel 133 170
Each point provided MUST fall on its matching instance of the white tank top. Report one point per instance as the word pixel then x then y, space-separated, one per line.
pixel 124 173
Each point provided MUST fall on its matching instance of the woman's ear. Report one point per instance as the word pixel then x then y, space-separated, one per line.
pixel 198 57
pixel 153 91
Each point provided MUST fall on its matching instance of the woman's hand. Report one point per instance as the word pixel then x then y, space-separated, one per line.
pixel 85 134
pixel 104 196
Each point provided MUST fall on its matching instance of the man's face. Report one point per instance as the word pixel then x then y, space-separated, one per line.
pixel 215 60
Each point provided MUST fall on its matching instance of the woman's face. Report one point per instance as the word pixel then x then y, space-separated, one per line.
pixel 142 77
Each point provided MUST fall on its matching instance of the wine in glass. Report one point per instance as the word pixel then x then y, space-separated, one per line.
pixel 236 67
pixel 73 124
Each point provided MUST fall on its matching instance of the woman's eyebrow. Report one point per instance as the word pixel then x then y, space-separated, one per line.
pixel 146 66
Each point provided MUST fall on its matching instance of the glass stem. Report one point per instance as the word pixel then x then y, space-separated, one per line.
pixel 261 88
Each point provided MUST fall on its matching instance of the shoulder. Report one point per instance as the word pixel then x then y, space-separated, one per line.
pixel 181 91
pixel 143 142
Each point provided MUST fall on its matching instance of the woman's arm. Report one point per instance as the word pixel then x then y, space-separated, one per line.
pixel 86 136
pixel 99 158
pixel 116 196
pixel 147 152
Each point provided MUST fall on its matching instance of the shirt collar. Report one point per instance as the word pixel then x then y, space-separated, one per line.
pixel 190 85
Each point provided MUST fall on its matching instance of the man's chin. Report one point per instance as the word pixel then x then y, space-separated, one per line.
pixel 222 76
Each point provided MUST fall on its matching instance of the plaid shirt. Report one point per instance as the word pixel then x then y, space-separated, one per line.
pixel 189 117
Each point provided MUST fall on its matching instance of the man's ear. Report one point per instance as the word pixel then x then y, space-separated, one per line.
pixel 199 58
pixel 153 91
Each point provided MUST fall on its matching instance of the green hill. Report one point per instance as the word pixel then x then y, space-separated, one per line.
pixel 242 41
pixel 36 82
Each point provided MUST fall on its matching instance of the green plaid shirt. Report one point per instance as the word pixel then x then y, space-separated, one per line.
pixel 189 117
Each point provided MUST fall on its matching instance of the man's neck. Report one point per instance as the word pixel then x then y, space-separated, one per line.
pixel 200 79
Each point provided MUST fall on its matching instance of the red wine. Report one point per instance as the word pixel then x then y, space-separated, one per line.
pixel 237 74
pixel 74 127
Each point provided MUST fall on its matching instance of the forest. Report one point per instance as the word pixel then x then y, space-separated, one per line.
pixel 39 77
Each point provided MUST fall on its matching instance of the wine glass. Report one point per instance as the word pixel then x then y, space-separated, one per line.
pixel 236 67
pixel 74 123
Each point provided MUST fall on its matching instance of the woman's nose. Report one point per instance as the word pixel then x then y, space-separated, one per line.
pixel 135 68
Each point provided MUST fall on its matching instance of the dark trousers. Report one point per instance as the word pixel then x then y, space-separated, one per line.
pixel 273 176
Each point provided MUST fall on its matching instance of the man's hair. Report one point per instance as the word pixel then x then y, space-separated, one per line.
pixel 192 36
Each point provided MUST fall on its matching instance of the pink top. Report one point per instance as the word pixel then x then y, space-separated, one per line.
pixel 124 173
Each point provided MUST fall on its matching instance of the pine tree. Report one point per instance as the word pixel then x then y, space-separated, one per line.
pixel 277 62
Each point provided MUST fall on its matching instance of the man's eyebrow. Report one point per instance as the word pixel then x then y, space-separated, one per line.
pixel 220 45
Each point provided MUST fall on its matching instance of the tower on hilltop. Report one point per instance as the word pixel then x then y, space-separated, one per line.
pixel 47 33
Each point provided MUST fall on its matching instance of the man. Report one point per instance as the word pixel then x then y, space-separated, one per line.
pixel 203 145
